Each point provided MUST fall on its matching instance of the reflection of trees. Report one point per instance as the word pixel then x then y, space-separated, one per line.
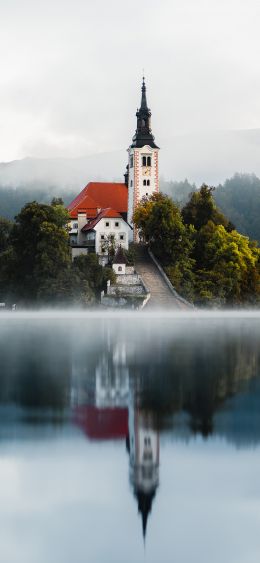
pixel 175 369
pixel 194 371
pixel 195 375
pixel 35 368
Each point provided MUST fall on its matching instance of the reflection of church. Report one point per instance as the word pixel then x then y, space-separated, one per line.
pixel 105 408
pixel 143 445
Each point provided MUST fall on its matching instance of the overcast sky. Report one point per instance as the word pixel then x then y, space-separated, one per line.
pixel 71 71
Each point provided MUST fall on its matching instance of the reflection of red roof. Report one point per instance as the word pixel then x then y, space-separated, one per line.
pixel 104 213
pixel 100 195
pixel 102 424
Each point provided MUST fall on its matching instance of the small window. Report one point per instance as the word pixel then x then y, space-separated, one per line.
pixel 107 223
pixel 148 183
pixel 75 225
pixel 102 237
pixel 116 224
pixel 131 183
pixel 122 237
pixel 120 268
pixel 103 250
pixel 144 182
pixel 144 161
pixel 131 161
pixel 146 193
pixel 148 161
pixel 112 237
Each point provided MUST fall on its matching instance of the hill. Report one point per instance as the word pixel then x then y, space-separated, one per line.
pixel 239 199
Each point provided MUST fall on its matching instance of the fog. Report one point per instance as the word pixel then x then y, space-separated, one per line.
pixel 71 74
pixel 205 157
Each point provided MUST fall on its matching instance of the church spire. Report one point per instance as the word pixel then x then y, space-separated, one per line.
pixel 143 100
pixel 143 134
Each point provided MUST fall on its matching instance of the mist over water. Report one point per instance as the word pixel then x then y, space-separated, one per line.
pixel 124 428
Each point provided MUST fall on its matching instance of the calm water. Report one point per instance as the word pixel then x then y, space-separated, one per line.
pixel 129 438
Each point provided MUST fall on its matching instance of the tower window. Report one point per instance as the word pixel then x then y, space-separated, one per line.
pixel 131 183
pixel 144 182
pixel 131 161
pixel 148 183
pixel 146 161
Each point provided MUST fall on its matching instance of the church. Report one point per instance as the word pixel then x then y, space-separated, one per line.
pixel 102 214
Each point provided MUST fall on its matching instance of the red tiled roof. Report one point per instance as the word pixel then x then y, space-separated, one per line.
pixel 81 203
pixel 102 424
pixel 100 195
pixel 104 213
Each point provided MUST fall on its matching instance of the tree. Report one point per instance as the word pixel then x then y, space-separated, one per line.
pixel 5 230
pixel 161 226
pixel 160 223
pixel 40 244
pixel 89 269
pixel 202 208
pixel 227 267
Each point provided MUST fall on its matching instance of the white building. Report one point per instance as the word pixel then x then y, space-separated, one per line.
pixel 106 231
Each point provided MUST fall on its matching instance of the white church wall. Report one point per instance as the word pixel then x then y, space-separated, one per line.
pixel 114 226
pixel 119 269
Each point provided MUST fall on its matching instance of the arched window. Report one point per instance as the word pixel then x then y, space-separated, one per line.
pixel 144 182
pixel 148 161
pixel 144 161
pixel 148 183
pixel 120 268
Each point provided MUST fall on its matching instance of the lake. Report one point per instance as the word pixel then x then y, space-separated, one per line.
pixel 129 437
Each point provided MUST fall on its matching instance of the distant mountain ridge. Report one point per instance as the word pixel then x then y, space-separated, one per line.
pixel 209 157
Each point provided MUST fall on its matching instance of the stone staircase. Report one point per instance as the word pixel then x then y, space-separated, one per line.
pixel 161 295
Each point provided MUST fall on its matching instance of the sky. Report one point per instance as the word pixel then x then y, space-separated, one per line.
pixel 71 72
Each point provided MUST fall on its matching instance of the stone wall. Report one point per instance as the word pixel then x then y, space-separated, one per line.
pixel 129 270
pixel 126 289
pixel 128 279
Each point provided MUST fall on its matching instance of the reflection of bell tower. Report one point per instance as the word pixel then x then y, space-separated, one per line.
pixel 144 460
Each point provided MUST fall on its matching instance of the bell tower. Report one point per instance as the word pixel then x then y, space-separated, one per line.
pixel 143 173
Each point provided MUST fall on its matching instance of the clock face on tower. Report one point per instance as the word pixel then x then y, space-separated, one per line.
pixel 147 171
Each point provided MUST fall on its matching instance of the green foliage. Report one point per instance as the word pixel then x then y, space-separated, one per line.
pixel 130 254
pixel 201 208
pixel 206 260
pixel 161 225
pixel 36 266
pixel 228 266
pixel 88 267
pixel 41 248
pixel 5 230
